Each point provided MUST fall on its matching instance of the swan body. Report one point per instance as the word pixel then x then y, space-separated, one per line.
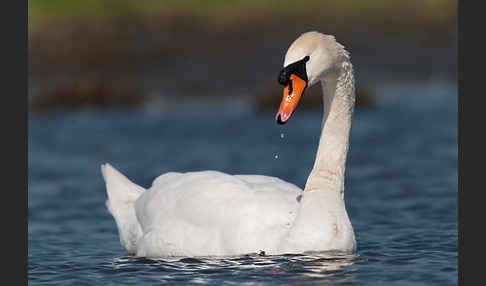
pixel 210 213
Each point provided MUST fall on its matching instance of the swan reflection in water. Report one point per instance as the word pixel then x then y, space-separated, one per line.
pixel 313 266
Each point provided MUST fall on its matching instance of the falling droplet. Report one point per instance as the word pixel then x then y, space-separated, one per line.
pixel 282 135
pixel 276 156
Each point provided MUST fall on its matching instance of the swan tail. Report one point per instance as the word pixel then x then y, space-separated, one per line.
pixel 122 194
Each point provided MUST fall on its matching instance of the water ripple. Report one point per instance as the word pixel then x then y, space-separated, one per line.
pixel 401 194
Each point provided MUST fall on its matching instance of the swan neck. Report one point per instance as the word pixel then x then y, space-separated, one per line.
pixel 338 104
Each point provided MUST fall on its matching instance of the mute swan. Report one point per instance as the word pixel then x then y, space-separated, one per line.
pixel 210 213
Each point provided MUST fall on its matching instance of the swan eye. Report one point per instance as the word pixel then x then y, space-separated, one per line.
pixel 297 68
pixel 283 77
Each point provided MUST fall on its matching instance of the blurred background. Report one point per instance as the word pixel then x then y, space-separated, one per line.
pixel 156 86
pixel 109 52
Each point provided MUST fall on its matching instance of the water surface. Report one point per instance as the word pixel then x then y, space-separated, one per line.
pixel 400 190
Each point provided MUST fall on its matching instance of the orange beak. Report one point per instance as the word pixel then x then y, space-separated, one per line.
pixel 291 96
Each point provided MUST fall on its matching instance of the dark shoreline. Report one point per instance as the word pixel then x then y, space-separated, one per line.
pixel 181 54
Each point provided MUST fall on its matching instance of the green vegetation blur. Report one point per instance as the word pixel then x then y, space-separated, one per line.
pixel 438 12
pixel 108 52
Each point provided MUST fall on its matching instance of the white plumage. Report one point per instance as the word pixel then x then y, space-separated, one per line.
pixel 210 213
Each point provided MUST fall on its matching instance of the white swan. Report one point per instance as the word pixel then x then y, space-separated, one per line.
pixel 210 213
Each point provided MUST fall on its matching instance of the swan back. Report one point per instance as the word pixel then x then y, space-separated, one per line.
pixel 213 213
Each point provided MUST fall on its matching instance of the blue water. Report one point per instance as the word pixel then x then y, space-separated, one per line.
pixel 400 190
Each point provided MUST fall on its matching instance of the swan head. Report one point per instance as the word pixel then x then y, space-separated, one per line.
pixel 310 58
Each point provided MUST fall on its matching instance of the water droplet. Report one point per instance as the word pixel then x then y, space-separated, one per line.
pixel 276 156
pixel 282 135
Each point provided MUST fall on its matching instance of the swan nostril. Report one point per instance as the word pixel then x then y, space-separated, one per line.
pixel 290 87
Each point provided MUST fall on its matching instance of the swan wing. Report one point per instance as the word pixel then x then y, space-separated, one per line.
pixel 213 213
